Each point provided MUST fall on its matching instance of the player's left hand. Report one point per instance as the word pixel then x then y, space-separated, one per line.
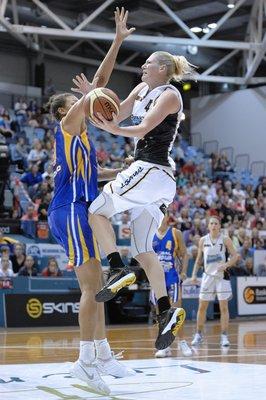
pixel 183 276
pixel 122 31
pixel 102 123
pixel 83 86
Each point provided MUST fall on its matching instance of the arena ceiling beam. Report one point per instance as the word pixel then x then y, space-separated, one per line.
pixel 71 34
pixel 93 15
pixel 220 62
pixel 52 15
pixel 176 18
pixel 15 11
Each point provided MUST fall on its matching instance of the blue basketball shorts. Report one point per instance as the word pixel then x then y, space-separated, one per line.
pixel 70 227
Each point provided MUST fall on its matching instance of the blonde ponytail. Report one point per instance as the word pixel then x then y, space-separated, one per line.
pixel 177 66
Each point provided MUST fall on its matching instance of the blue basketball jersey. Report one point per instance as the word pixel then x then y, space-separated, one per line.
pixel 166 248
pixel 75 169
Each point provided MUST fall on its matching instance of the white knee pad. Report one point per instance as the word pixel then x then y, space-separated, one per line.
pixel 143 229
pixel 103 205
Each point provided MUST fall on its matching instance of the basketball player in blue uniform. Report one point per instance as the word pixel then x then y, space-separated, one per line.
pixel 213 249
pixel 168 244
pixel 75 187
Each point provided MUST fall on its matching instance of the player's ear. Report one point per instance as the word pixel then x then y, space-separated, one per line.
pixel 62 110
pixel 163 68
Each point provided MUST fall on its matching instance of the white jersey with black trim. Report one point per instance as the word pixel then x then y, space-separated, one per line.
pixel 156 145
pixel 214 254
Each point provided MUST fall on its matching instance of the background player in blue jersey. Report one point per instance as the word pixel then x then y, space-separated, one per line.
pixel 168 243
pixel 75 179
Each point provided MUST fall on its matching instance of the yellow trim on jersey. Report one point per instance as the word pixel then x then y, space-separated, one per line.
pixel 84 247
pixel 96 249
pixel 70 245
pixel 85 141
pixel 176 240
pixel 67 144
pixel 80 164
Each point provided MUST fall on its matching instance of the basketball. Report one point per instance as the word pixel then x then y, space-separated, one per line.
pixel 101 100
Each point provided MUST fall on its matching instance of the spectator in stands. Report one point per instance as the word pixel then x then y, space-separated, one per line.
pixel 31 214
pixel 248 267
pixel 52 269
pixel 261 270
pixel 261 188
pixel 116 153
pixel 21 107
pixel 245 250
pixel 28 268
pixel 43 207
pixel 19 153
pixel 37 155
pixel 18 258
pixel 102 155
pixel 32 178
pixel 5 270
pixel 5 252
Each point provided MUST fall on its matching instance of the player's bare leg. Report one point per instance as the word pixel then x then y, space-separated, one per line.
pixel 224 322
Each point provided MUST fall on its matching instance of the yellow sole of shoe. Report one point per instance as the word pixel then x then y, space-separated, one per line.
pixel 129 281
pixel 182 317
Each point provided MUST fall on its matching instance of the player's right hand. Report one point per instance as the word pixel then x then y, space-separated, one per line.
pixel 83 86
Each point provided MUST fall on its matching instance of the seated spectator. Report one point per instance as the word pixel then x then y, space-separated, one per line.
pixel 5 252
pixel 33 177
pixel 52 269
pixel 31 214
pixel 19 153
pixel 5 270
pixel 102 155
pixel 37 155
pixel 246 250
pixel 261 270
pixel 18 257
pixel 28 268
pixel 248 267
pixel 116 154
pixel 43 207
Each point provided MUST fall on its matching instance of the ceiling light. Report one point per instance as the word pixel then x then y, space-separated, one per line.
pixel 230 4
pixel 196 29
pixel 206 29
pixel 192 49
pixel 212 25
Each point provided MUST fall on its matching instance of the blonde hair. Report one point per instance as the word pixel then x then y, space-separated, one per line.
pixel 177 66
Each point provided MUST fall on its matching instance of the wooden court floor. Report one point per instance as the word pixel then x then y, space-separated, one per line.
pixel 45 345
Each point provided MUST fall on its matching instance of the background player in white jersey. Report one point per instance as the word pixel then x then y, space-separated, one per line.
pixel 215 279
pixel 147 187
pixel 168 243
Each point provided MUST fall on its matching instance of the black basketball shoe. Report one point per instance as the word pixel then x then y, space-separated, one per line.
pixel 170 321
pixel 117 280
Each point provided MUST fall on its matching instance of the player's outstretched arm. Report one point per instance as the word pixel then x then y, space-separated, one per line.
pixel 107 174
pixel 122 32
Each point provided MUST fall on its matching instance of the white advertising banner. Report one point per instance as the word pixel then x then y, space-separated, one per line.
pixel 41 250
pixel 190 291
pixel 251 295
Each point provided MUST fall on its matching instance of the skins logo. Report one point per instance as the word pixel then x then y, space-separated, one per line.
pixel 35 308
pixel 255 295
pixel 129 179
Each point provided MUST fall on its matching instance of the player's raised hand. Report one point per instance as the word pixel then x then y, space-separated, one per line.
pixel 122 31
pixel 83 86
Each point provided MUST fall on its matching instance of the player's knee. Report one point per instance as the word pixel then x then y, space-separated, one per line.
pixel 102 205
pixel 203 305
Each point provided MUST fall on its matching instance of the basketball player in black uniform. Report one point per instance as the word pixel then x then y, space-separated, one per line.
pixel 148 186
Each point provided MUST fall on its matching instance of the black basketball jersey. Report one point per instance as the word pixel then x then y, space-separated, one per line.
pixel 156 145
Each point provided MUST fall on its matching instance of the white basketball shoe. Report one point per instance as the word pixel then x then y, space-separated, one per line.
pixel 90 374
pixel 198 339
pixel 184 347
pixel 224 340
pixel 113 367
pixel 163 353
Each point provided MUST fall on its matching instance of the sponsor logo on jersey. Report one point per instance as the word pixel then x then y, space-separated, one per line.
pixel 129 179
pixel 213 258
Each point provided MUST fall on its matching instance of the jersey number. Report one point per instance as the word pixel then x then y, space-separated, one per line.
pixel 148 106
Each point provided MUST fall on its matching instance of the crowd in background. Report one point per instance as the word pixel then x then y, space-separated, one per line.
pixel 203 188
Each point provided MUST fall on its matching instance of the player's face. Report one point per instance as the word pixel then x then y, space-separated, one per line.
pixel 150 69
pixel 70 101
pixel 214 225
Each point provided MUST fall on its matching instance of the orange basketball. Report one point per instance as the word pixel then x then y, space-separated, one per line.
pixel 101 100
